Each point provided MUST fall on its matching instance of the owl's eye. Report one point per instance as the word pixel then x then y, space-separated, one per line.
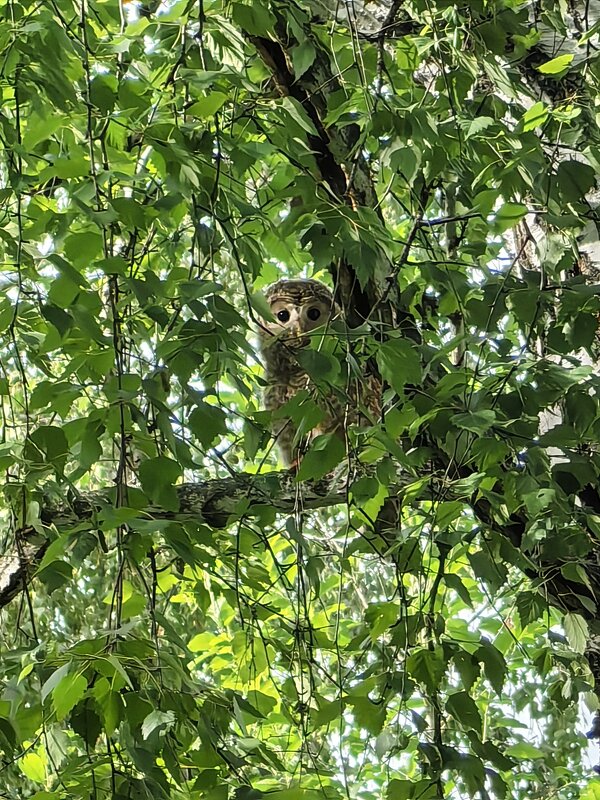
pixel 283 315
pixel 313 313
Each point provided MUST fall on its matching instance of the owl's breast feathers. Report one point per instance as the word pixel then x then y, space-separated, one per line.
pixel 281 365
pixel 302 308
pixel 358 402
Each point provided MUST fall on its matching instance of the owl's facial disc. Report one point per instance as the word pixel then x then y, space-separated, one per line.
pixel 295 319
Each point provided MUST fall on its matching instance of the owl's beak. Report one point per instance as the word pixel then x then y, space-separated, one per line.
pixel 295 337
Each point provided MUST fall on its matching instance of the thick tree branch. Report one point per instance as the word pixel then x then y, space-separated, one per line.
pixel 17 565
pixel 339 158
pixel 214 502
pixel 219 502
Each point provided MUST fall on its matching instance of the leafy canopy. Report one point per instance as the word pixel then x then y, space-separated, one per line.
pixel 162 163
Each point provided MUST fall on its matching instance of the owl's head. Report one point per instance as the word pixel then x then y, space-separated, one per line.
pixel 299 306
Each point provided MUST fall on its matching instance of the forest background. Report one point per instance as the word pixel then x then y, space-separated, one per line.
pixel 181 617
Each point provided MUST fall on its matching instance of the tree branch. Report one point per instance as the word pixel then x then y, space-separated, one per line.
pixel 220 502
pixel 341 163
pixel 215 502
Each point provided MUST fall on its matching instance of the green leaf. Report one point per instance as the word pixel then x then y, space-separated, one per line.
pixel 40 128
pixel 367 714
pixel 86 722
pixel 380 617
pixel 55 574
pixel 534 117
pixel 494 665
pixel 325 453
pixel 67 270
pixel 508 216
pixel 327 713
pixel 259 303
pixel 254 438
pixel 71 167
pixel 33 767
pixel 399 363
pixel 157 476
pixel 411 790
pixel 303 56
pixel 530 607
pixel 399 789
pixel 254 18
pixel 115 265
pixel 129 212
pixel 319 365
pixel 427 667
pixel 54 679
pixel 467 667
pixel 206 107
pixel 478 125
pixel 523 751
pixel 407 54
pixel 67 693
pixel 207 422
pixel 591 791
pixel 577 631
pixel 116 668
pixel 462 707
pixel 157 719
pixel 62 321
pixel 48 444
pixel 46 796
pixel 575 179
pixel 103 92
pixel 364 489
pixel 539 501
pixel 112 711
pixel 298 114
pixel 475 421
pixel 454 582
pixel 83 248
pixel 404 160
pixel 556 65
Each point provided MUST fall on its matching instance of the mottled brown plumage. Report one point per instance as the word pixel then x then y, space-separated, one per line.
pixel 304 309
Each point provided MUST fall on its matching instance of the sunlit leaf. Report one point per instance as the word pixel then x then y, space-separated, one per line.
pixel 577 632
pixel 556 65
pixel 208 106
pixel 508 216
pixel 67 693
pixel 33 767
pixel 535 116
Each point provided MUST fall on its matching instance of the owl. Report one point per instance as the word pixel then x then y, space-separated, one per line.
pixel 303 309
